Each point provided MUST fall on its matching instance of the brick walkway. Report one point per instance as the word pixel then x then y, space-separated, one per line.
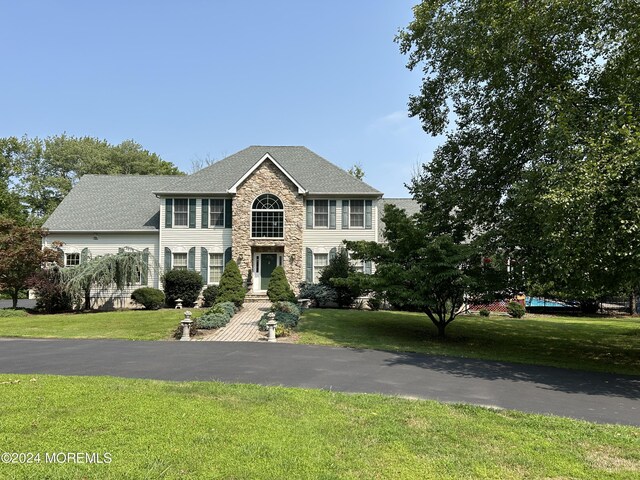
pixel 243 327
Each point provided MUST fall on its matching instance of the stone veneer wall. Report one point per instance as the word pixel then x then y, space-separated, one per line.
pixel 269 179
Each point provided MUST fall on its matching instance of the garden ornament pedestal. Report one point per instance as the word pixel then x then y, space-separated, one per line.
pixel 179 303
pixel 271 328
pixel 186 326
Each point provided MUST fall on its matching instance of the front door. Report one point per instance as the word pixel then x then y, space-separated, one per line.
pixel 268 262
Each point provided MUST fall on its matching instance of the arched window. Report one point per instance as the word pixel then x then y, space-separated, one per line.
pixel 267 217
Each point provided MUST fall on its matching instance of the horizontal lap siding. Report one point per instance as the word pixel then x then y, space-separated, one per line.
pixel 110 243
pixel 214 239
pixel 327 238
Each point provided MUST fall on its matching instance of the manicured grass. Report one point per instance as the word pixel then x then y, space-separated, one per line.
pixel 125 324
pixel 599 344
pixel 212 430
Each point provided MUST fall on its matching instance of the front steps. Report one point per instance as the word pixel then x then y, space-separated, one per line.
pixel 256 297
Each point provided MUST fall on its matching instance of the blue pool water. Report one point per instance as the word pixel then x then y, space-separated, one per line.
pixel 541 302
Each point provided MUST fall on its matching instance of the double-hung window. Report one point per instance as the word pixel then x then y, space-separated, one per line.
pixel 216 266
pixel 216 212
pixel 321 213
pixel 320 261
pixel 179 261
pixel 356 214
pixel 181 212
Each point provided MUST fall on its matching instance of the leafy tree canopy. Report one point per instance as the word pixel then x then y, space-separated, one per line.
pixel 37 173
pixel 421 270
pixel 540 104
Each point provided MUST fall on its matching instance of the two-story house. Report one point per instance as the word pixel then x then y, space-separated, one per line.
pixel 263 206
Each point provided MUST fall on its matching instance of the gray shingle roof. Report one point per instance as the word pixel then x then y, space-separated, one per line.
pixel 128 202
pixel 111 202
pixel 409 205
pixel 311 171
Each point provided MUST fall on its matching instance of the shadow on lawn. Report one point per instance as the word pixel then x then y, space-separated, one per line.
pixel 550 378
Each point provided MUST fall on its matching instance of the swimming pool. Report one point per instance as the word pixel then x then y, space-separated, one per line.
pixel 542 302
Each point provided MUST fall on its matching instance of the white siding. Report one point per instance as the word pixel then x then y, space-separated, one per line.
pixel 103 243
pixel 214 239
pixel 322 240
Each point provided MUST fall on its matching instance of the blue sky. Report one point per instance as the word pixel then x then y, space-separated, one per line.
pixel 191 79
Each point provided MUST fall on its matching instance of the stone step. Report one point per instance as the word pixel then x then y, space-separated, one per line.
pixel 253 297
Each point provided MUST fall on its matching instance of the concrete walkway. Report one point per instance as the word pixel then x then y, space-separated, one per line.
pixel 243 327
pixel 597 397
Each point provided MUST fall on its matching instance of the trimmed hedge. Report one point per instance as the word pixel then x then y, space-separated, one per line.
pixel 149 298
pixel 231 287
pixel 209 295
pixel 288 307
pixel 515 310
pixel 228 307
pixel 320 295
pixel 284 319
pixel 210 321
pixel 279 289
pixel 184 284
pixel 216 317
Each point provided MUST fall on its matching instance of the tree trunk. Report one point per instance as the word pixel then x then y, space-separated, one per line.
pixel 633 303
pixel 441 326
pixel 14 298
pixel 87 298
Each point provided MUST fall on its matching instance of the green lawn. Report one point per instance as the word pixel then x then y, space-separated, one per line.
pixel 599 344
pixel 125 324
pixel 211 430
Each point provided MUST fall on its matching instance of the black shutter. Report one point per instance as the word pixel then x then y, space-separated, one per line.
pixel 367 214
pixel 309 276
pixel 192 213
pixel 205 213
pixel 84 256
pixel 168 213
pixel 309 214
pixel 332 253
pixel 345 214
pixel 167 259
pixel 332 214
pixel 191 259
pixel 227 256
pixel 144 271
pixel 227 213
pixel 204 264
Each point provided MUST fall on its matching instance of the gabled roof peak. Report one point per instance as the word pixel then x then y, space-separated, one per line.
pixel 311 173
pixel 264 158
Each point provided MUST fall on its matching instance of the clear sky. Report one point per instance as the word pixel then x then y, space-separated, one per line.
pixel 191 79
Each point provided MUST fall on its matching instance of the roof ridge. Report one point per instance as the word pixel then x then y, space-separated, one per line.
pixel 111 175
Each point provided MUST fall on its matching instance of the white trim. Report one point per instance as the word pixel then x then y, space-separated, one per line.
pixel 256 274
pixel 266 156
pixel 284 218
pixel 224 213
pixel 313 213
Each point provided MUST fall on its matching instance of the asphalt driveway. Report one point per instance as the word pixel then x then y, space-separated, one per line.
pixel 597 397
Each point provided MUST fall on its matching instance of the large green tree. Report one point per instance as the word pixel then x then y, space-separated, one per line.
pixel 540 104
pixel 422 269
pixel 39 173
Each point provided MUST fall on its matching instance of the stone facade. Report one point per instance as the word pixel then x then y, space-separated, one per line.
pixel 268 178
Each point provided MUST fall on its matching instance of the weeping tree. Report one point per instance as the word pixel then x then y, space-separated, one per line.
pixel 127 267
